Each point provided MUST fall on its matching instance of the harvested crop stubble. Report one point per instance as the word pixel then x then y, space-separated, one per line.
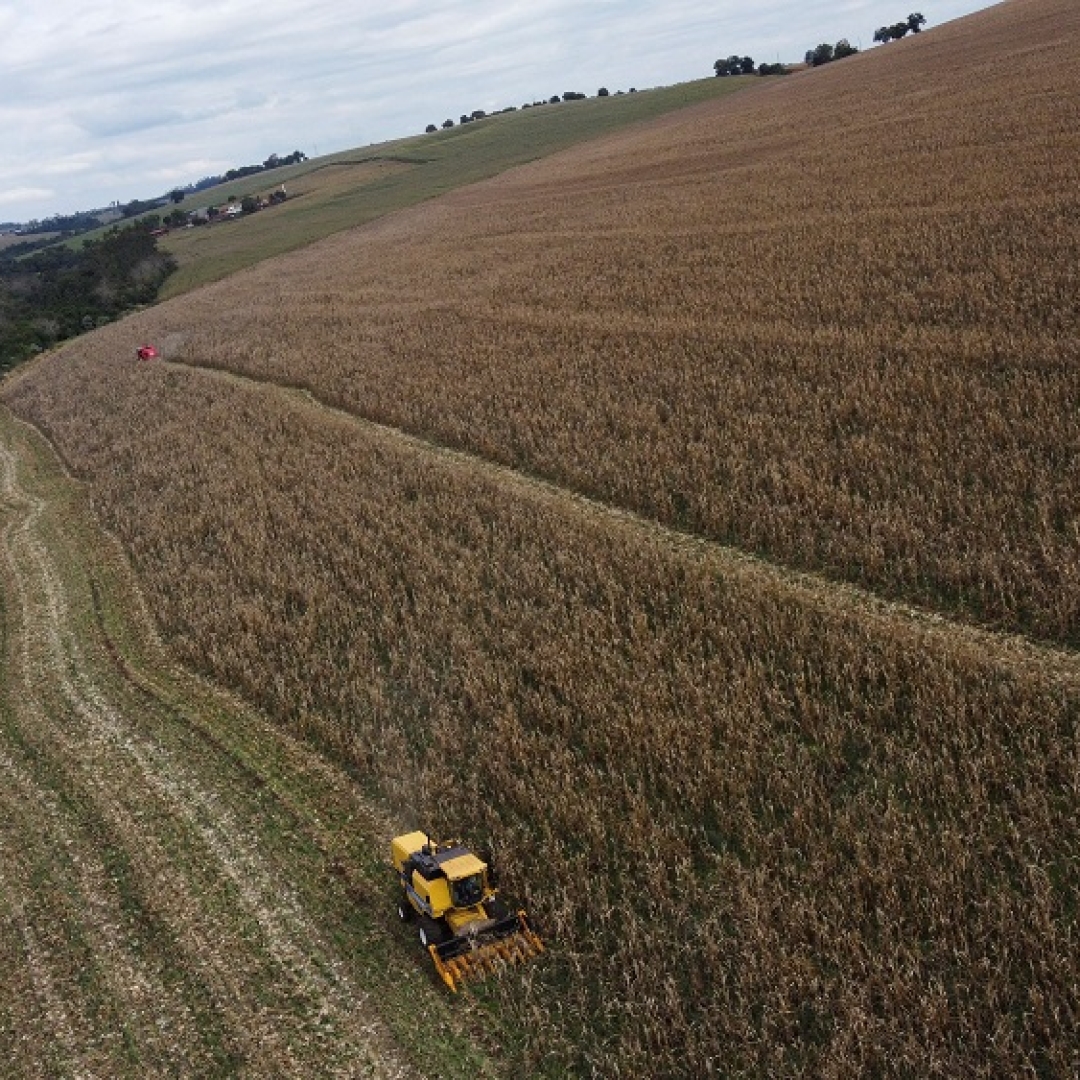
pixel 833 320
pixel 765 822
pixel 163 910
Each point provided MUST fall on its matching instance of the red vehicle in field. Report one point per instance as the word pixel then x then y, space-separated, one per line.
pixel 146 352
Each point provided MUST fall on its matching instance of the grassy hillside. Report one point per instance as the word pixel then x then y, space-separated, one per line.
pixel 680 515
pixel 342 190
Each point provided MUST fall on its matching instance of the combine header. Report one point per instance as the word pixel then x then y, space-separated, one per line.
pixel 467 930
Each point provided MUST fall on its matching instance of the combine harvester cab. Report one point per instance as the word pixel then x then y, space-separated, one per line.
pixel 466 929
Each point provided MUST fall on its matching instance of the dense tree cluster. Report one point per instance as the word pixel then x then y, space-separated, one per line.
pixel 65 224
pixel 826 54
pixel 744 65
pixel 912 25
pixel 137 207
pixel 272 162
pixel 61 291
pixel 734 65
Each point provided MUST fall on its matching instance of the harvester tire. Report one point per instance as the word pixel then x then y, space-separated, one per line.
pixel 405 911
pixel 430 932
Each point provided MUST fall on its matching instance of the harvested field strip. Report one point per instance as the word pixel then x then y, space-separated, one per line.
pixel 817 825
pixel 174 903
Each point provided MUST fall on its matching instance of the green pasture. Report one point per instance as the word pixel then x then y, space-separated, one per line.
pixel 339 191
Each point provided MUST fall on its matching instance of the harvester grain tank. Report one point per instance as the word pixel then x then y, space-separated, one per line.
pixel 461 922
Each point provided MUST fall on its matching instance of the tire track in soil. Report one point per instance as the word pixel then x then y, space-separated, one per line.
pixel 38 983
pixel 95 800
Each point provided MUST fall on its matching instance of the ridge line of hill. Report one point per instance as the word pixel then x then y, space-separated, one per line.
pixel 1056 662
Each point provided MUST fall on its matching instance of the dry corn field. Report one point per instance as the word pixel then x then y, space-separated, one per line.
pixel 694 517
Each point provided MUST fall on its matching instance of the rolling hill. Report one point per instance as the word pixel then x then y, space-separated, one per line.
pixel 690 516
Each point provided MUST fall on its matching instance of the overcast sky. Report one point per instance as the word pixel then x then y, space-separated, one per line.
pixel 125 99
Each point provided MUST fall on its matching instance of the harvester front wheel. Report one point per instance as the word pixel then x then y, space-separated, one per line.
pixel 430 932
pixel 404 911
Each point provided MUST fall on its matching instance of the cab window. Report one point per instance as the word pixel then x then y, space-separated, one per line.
pixel 468 891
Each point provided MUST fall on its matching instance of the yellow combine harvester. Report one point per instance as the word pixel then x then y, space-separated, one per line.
pixel 467 930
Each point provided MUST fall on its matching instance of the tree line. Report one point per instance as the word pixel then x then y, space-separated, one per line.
pixel 911 25
pixel 274 161
pixel 555 99
pixel 825 54
pixel 821 54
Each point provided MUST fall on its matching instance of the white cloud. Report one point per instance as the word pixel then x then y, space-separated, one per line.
pixel 18 196
pixel 119 100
